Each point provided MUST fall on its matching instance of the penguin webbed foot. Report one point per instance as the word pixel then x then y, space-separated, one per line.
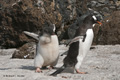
pixel 38 70
pixel 51 67
pixel 81 72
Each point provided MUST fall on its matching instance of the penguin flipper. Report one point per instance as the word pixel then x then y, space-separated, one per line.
pixel 74 40
pixel 58 71
pixel 65 53
pixel 33 35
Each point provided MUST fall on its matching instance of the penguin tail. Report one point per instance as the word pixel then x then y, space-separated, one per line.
pixel 58 71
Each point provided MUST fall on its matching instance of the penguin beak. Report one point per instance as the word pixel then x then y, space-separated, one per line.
pixel 99 22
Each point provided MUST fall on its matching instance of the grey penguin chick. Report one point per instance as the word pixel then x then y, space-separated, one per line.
pixel 79 46
pixel 47 49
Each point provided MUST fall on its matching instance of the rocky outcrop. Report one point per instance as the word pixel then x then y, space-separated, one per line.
pixel 27 51
pixel 109 32
pixel 17 16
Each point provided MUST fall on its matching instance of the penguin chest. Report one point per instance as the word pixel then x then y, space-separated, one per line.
pixel 49 51
pixel 84 47
pixel 86 44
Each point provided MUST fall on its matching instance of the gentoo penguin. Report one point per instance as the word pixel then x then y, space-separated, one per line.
pixel 80 45
pixel 47 51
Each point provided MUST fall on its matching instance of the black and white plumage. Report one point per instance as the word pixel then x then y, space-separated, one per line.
pixel 47 49
pixel 80 44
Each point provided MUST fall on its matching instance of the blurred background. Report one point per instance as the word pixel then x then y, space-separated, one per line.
pixel 17 16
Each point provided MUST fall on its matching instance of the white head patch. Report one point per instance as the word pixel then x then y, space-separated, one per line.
pixel 94 18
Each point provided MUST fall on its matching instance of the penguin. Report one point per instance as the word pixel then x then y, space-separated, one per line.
pixel 79 45
pixel 47 50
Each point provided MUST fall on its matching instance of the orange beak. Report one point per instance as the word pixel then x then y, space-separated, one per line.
pixel 99 22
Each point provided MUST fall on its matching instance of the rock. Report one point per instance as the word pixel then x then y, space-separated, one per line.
pixel 32 15
pixel 27 51
pixel 108 33
pixel 103 1
pixel 112 7
pixel 105 9
pixel 17 16
pixel 92 4
pixel 117 3
pixel 99 4
pixel 118 8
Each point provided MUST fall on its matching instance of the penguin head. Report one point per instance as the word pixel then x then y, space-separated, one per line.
pixel 46 33
pixel 49 30
pixel 96 19
pixel 95 15
pixel 91 19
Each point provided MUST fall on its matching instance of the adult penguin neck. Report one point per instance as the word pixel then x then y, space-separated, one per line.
pixel 81 31
pixel 89 25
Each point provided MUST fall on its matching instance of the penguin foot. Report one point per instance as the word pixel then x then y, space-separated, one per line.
pixel 38 70
pixel 50 67
pixel 80 72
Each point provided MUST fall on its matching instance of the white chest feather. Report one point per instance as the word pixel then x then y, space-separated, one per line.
pixel 49 51
pixel 84 47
